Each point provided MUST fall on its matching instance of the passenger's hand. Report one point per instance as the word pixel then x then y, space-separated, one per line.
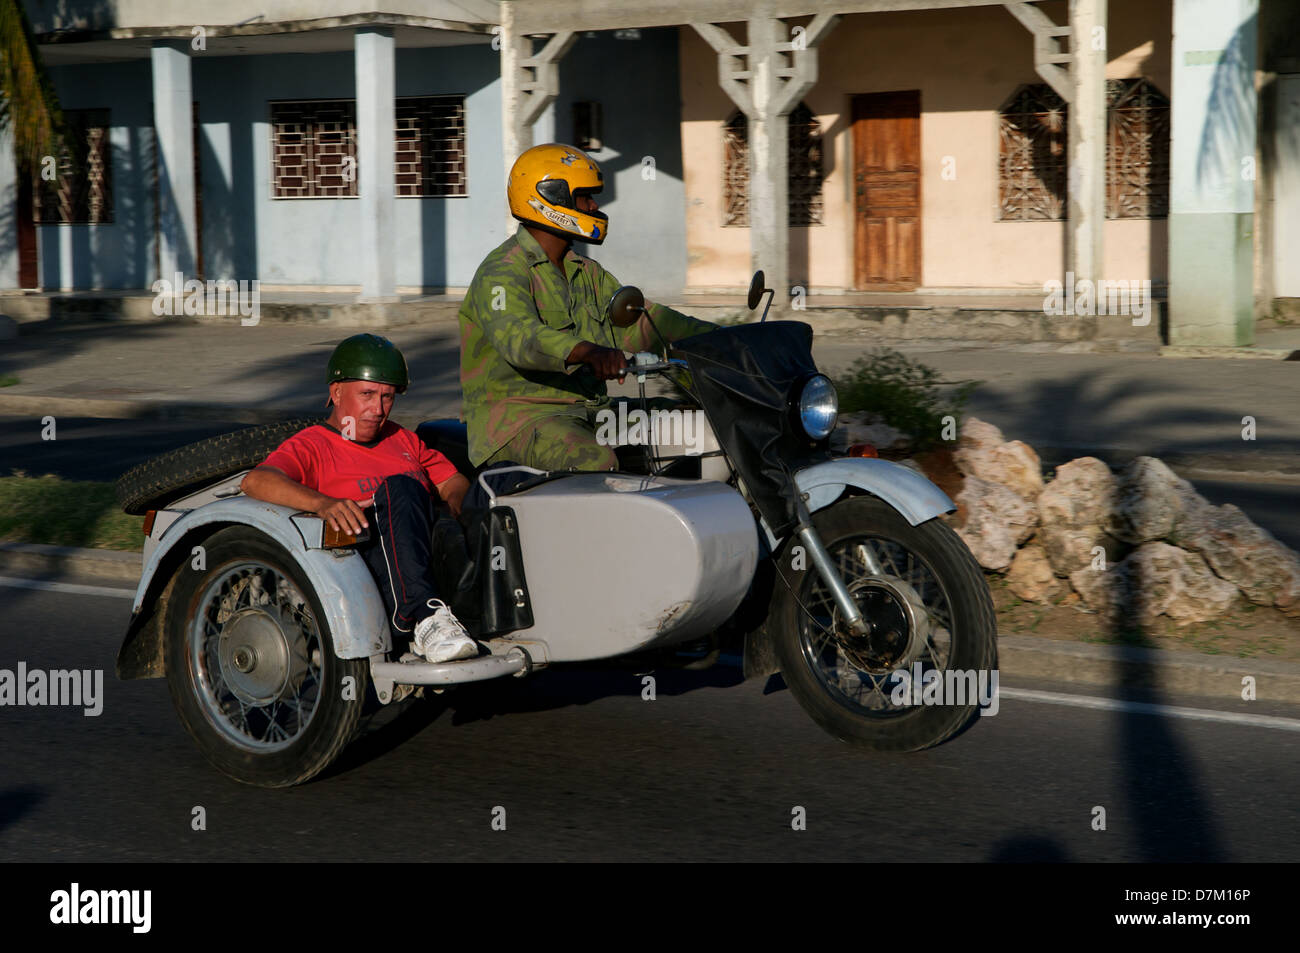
pixel 606 362
pixel 453 490
pixel 344 515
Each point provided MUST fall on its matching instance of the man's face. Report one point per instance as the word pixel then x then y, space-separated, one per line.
pixel 585 203
pixel 361 407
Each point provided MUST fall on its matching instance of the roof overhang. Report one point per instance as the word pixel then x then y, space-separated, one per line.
pixel 556 15
pixel 321 35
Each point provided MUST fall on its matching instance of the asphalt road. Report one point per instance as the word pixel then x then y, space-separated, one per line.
pixel 101 449
pixel 712 769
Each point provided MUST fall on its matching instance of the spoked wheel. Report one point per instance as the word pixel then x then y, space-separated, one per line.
pixel 929 611
pixel 251 664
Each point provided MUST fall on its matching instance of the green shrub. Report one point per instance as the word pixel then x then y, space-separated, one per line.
pixel 907 394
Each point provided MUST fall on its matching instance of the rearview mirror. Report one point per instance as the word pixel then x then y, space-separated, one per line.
pixel 756 289
pixel 626 307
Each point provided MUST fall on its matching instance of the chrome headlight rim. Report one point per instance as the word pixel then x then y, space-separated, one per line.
pixel 817 407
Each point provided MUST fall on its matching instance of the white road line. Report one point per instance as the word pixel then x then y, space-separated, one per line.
pixel 1146 708
pixel 68 587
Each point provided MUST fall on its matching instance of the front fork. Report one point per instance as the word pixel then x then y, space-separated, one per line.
pixel 821 561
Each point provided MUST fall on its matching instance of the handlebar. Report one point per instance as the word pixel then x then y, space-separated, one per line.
pixel 653 367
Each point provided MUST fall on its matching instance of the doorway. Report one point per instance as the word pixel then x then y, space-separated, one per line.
pixel 887 190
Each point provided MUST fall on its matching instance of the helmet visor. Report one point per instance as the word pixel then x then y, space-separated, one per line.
pixel 555 191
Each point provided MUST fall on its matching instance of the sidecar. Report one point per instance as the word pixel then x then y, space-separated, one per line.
pixel 269 627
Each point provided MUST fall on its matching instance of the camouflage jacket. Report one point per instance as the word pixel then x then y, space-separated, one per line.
pixel 520 319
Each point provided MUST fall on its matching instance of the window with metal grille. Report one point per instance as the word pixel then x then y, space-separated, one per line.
pixel 1033 159
pixel 1137 150
pixel 314 149
pixel 81 193
pixel 431 147
pixel 804 175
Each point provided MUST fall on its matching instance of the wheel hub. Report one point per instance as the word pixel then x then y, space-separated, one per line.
pixel 255 656
pixel 898 626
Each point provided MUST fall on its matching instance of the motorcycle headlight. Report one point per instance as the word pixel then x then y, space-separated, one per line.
pixel 819 407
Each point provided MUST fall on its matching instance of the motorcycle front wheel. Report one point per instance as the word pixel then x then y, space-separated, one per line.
pixel 930 656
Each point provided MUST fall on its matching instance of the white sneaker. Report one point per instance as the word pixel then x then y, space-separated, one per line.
pixel 440 637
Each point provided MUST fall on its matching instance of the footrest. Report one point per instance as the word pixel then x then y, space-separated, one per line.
pixel 451 673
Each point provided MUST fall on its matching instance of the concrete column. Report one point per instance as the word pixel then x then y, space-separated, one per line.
pixel 1087 140
pixel 1212 180
pixel 173 120
pixel 530 81
pixel 8 213
pixel 376 138
pixel 769 160
pixel 1285 250
pixel 516 135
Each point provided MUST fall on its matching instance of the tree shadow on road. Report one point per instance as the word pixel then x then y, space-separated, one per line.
pixel 16 803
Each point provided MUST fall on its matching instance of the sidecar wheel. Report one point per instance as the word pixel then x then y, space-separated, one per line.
pixel 251 665
pixel 931 606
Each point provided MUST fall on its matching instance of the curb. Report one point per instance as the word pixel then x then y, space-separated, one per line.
pixel 1258 353
pixel 1208 465
pixel 1098 666
pixel 39 405
pixel 1126 666
pixel 40 557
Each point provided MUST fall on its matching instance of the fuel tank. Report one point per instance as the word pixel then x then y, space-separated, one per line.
pixel 617 563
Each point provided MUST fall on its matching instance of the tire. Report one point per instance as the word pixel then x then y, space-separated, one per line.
pixel 292 657
pixel 179 472
pixel 847 686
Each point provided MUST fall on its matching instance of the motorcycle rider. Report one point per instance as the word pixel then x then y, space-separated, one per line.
pixel 357 458
pixel 535 347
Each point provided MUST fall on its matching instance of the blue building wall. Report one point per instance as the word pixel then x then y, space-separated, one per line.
pixel 635 80
pixel 440 242
pixel 120 254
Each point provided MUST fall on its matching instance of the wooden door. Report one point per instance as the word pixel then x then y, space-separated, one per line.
pixel 887 203
pixel 25 219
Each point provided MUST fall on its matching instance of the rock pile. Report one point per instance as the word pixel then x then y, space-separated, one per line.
pixel 1133 545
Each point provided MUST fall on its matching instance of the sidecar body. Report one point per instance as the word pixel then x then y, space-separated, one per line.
pixel 611 564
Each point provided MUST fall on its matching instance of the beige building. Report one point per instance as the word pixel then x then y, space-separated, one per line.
pixel 929 87
pixel 933 146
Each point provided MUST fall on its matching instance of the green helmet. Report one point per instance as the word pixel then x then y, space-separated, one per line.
pixel 368 357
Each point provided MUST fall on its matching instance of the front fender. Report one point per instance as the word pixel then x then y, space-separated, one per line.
pixel 905 490
pixel 347 592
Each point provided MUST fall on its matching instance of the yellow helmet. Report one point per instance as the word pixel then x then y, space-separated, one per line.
pixel 543 185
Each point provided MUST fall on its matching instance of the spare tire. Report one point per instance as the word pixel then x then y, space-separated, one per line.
pixel 187 469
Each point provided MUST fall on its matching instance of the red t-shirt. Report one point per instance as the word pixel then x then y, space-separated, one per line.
pixel 323 459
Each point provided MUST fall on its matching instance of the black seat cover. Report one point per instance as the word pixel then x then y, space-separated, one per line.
pixel 448 436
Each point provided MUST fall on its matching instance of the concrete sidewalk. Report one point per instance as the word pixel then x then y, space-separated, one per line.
pixel 1062 399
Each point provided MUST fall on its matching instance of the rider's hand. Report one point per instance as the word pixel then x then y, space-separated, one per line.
pixel 606 362
pixel 344 515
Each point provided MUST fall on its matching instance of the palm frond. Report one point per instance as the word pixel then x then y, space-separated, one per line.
pixel 28 103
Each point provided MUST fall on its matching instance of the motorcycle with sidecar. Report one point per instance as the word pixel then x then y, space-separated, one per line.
pixel 837 572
